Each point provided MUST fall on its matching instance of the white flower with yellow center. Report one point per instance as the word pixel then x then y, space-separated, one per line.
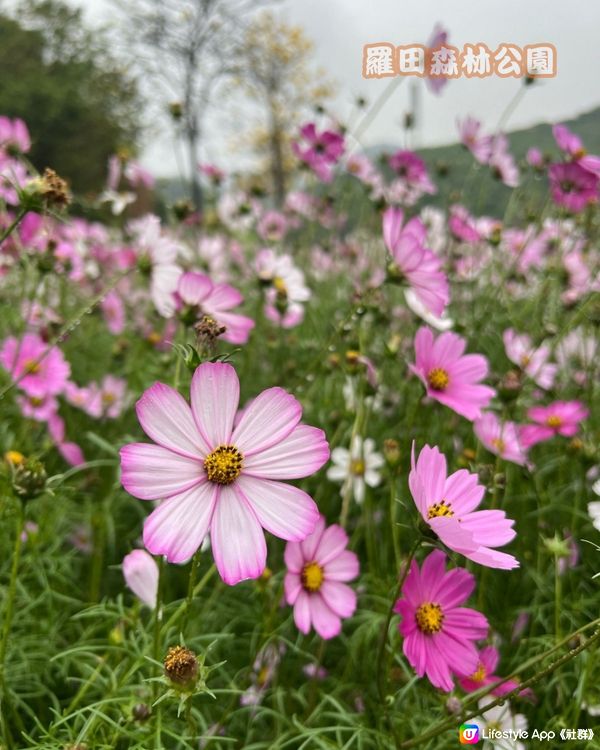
pixel 357 467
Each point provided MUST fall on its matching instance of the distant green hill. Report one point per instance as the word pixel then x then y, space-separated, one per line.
pixel 477 188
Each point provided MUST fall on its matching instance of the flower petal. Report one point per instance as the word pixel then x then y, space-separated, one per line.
pixel 178 526
pixel 152 472
pixel 167 419
pixel 298 455
pixel 215 394
pixel 268 420
pixel 341 599
pixel 237 539
pixel 281 509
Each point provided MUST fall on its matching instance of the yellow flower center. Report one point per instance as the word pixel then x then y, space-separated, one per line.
pixel 224 464
pixel 438 379
pixel 480 674
pixel 280 286
pixel 108 398
pixel 31 367
pixel 525 360
pixel 498 444
pixel 554 421
pixel 14 457
pixel 36 401
pixel 442 508
pixel 357 467
pixel 429 617
pixel 312 576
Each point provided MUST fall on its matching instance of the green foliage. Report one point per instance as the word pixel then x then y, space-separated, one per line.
pixel 78 103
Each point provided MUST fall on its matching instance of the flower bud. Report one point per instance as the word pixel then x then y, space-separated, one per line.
pixel 29 478
pixel 181 667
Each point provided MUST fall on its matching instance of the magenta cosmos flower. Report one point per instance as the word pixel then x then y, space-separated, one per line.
pixel 214 476
pixel 501 438
pixel 197 296
pixel 38 374
pixel 420 266
pixel 559 418
pixel 451 377
pixel 439 635
pixel 320 151
pixel 572 186
pixel 315 580
pixel 447 504
pixel 484 675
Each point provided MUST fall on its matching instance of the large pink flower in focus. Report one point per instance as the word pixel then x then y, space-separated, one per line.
pixel 447 504
pixel 315 580
pixel 215 477
pixel 451 377
pixel 38 374
pixel 420 266
pixel 197 292
pixel 439 635
pixel 501 438
pixel 558 418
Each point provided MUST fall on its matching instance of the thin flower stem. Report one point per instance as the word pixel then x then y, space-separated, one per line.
pixel 381 676
pixel 158 615
pixel 11 228
pixel 557 597
pixel 10 596
pixel 190 593
pixel 199 587
pixel 395 539
pixel 451 722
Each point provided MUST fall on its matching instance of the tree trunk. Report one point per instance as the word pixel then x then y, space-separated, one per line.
pixel 277 168
pixel 195 186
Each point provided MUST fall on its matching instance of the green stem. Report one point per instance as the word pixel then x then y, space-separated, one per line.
pixel 10 597
pixel 190 593
pixel 381 680
pixel 183 606
pixel 10 229
pixel 557 597
pixel 395 539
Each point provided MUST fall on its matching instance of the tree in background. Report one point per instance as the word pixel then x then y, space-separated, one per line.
pixel 79 104
pixel 274 69
pixel 185 48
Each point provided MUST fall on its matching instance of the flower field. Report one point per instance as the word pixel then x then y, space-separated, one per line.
pixel 322 474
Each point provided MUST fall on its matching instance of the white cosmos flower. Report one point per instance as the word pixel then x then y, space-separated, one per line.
pixel 594 509
pixel 501 719
pixel 357 467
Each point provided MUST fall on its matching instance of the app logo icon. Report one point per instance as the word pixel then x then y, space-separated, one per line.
pixel 468 734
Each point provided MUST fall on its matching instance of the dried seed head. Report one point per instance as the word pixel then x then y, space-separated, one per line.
pixel 54 190
pixel 181 666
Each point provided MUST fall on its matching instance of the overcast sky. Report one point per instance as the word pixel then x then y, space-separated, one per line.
pixel 340 28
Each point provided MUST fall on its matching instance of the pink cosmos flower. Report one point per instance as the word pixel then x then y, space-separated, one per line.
pixel 567 141
pixel 463 226
pixel 438 38
pixel 113 310
pixel 502 162
pixel 439 635
pixel 196 294
pixel 572 186
pixel 451 377
pixel 141 576
pixel 532 360
pixel 36 376
pixel 470 136
pixel 321 152
pixel 534 158
pixel 14 135
pixel 501 438
pixel 412 179
pixel 484 675
pixel 214 476
pixel 420 266
pixel 272 226
pixel 40 408
pixel 447 504
pixel 315 580
pixel 71 452
pixel 558 418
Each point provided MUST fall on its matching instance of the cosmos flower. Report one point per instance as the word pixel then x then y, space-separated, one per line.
pixel 451 377
pixel 448 505
pixel 14 135
pixel 141 576
pixel 502 438
pixel 502 161
pixel 412 261
pixel 411 181
pixel 479 145
pixel 594 512
pixel 319 150
pixel 484 675
pixel 502 721
pixel 439 635
pixel 572 186
pixel 214 476
pixel 531 359
pixel 38 373
pixel 198 296
pixel 357 467
pixel 317 570
pixel 558 418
